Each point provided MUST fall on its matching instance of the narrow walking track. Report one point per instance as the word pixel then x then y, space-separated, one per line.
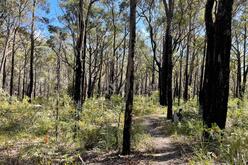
pixel 162 149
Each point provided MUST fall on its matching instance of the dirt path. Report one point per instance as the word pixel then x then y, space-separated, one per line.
pixel 162 148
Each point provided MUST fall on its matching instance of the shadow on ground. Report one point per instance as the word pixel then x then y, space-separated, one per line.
pixel 163 150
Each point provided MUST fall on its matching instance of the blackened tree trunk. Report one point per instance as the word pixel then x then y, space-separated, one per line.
pixel 84 46
pixel 169 79
pixel 166 79
pixel 35 82
pixel 31 71
pixel 89 91
pixel 79 81
pixel 130 81
pixel 159 84
pixel 216 80
pixel 78 70
pixel 164 76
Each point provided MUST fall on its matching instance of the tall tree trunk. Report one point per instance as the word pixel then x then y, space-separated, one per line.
pixel 201 92
pixel 166 80
pixel 176 85
pixel 122 64
pixel 12 63
pixel 154 50
pixel 24 75
pixel 146 80
pixel 195 82
pixel 4 74
pixel 164 76
pixel 130 81
pixel 99 87
pixel 31 72
pixel 58 66
pixel 19 84
pixel 239 78
pixel 3 61
pixel 245 71
pixel 13 51
pixel 5 48
pixel 180 76
pixel 203 64
pixel 192 62
pixel 78 70
pixel 186 84
pixel 89 92
pixel 35 82
pixel 111 85
pixel 216 80
pixel 169 79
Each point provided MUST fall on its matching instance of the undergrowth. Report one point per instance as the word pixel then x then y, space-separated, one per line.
pixel 28 131
pixel 229 146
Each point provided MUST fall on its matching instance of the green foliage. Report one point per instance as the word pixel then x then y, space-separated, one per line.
pixel 227 146
pixel 140 139
pixel 100 126
pixel 234 146
pixel 3 95
pixel 31 129
pixel 15 115
pixel 101 122
pixel 235 104
pixel 145 105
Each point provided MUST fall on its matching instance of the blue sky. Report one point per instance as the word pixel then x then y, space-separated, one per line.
pixel 56 11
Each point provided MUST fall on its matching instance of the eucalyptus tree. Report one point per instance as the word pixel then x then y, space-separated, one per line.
pixel 237 51
pixel 166 80
pixel 126 149
pixel 34 5
pixel 7 28
pixel 77 22
pixel 216 79
pixel 21 8
pixel 150 12
pixel 245 69
pixel 56 42
pixel 239 47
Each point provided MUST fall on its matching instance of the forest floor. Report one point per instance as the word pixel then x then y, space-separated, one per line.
pixel 161 148
pixel 27 135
